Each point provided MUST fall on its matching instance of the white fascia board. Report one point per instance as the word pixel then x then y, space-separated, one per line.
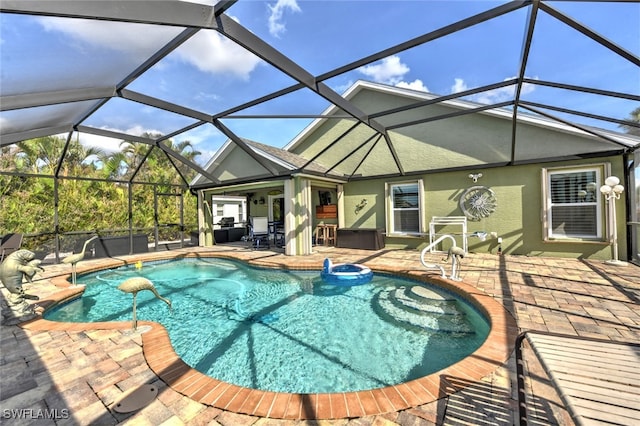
pixel 624 138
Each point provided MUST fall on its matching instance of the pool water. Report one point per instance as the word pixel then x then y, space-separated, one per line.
pixel 288 331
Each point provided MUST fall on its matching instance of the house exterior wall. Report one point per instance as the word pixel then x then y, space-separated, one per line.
pixel 517 218
pixel 480 142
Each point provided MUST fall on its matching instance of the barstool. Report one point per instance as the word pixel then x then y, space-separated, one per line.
pixel 330 234
pixel 320 233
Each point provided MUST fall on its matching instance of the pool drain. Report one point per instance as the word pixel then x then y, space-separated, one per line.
pixel 137 399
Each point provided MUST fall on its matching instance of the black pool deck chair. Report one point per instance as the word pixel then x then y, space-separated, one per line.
pixel 9 244
pixel 598 380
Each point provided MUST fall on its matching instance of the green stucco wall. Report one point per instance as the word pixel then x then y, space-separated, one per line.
pixel 517 219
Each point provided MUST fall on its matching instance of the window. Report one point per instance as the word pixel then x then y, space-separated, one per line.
pixel 573 203
pixel 405 207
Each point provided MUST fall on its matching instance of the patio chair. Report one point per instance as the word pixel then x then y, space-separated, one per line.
pixel 10 243
pixel 259 232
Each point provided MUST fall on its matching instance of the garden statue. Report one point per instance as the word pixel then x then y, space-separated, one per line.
pixel 75 258
pixel 136 284
pixel 17 267
pixel 455 253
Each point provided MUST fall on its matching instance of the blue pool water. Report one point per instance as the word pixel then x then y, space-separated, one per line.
pixel 288 331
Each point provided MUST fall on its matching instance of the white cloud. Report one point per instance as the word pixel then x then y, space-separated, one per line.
pixel 497 95
pixel 119 36
pixel 212 53
pixel 208 97
pixel 207 50
pixel 343 87
pixel 111 144
pixel 459 86
pixel 276 26
pixel 416 84
pixel 391 71
pixel 200 135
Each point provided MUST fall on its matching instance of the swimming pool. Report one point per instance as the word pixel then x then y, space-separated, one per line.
pixel 288 331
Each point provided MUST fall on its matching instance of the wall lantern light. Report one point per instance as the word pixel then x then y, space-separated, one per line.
pixel 611 191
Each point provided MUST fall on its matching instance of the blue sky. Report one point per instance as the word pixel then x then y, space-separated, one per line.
pixel 210 74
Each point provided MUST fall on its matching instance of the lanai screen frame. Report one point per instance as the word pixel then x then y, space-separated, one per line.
pixel 194 17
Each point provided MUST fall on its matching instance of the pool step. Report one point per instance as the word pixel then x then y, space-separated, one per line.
pixel 423 293
pixel 410 308
pixel 414 300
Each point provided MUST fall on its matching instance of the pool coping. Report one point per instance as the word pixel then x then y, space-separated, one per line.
pixel 170 368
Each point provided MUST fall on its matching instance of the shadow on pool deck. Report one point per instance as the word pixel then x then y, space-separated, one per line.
pixel 65 370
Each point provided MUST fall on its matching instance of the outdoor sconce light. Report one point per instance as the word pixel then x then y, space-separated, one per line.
pixel 475 176
pixel 361 205
pixel 262 200
pixel 611 191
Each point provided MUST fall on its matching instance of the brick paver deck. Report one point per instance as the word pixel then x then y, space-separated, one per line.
pixel 75 373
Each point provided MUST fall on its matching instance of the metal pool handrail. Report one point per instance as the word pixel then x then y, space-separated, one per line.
pixel 454 259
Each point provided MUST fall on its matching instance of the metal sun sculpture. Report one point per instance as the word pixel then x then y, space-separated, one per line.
pixel 478 202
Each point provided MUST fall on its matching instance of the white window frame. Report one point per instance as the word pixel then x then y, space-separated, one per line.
pixel 592 198
pixel 390 210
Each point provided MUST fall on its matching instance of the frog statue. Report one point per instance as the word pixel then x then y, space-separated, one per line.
pixel 18 266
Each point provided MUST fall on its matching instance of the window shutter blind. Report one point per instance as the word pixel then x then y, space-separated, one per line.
pixel 406 208
pixel 574 204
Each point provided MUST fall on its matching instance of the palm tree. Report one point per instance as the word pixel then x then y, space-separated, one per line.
pixel 41 155
pixel 186 150
pixel 114 165
pixel 634 117
pixel 158 167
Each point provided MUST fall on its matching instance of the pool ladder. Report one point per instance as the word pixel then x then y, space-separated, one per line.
pixel 455 261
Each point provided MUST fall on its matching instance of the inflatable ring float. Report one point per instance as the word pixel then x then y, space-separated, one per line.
pixel 345 274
